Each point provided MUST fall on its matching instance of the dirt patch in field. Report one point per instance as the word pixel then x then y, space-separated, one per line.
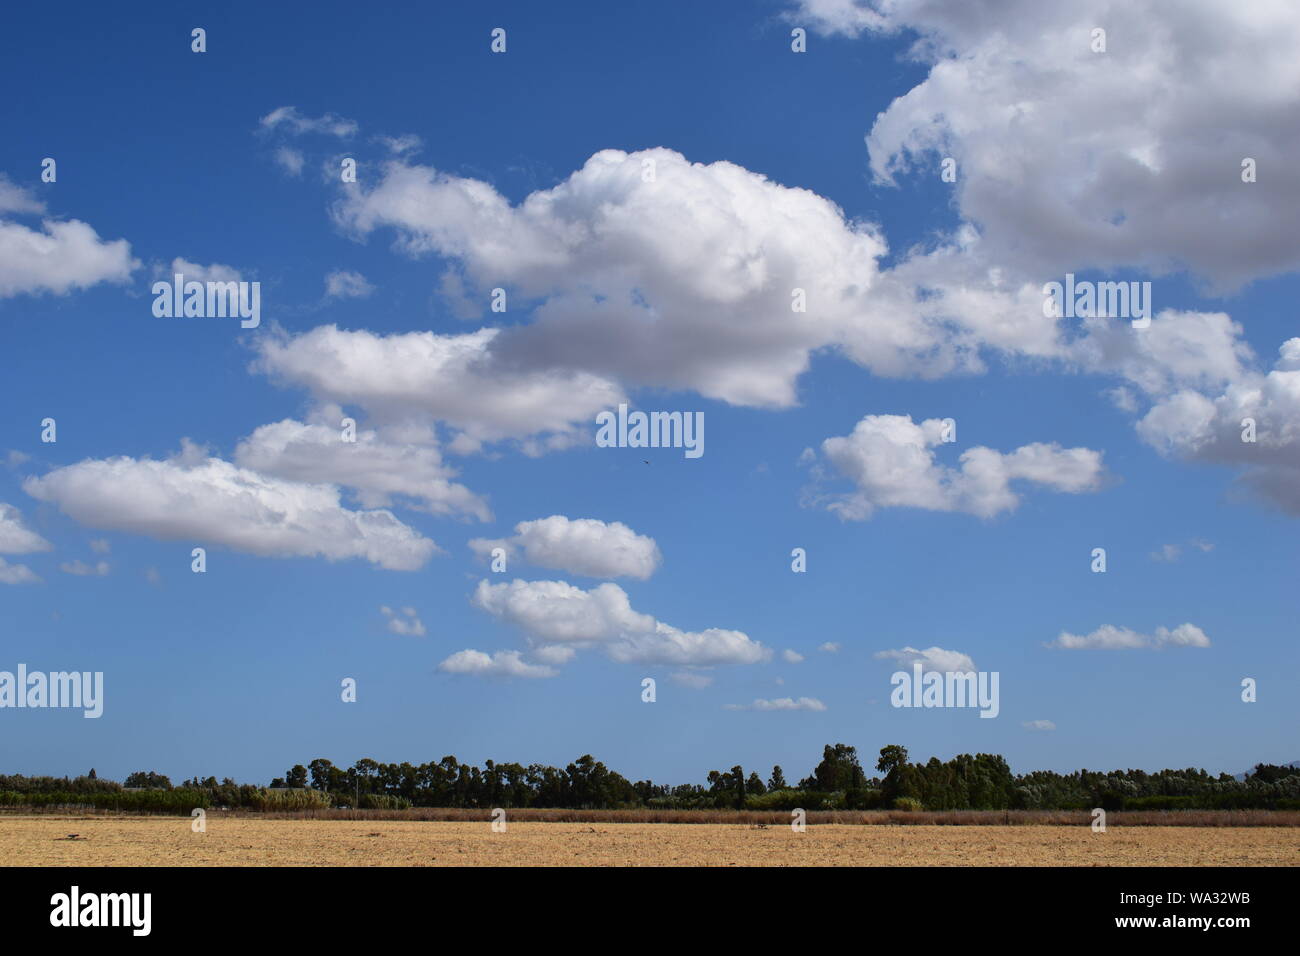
pixel 240 841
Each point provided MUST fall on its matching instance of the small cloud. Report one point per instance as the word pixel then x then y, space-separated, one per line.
pixel 791 657
pixel 932 659
pixel 407 622
pixel 82 569
pixel 500 664
pixel 781 703
pixel 1111 638
pixel 1167 553
pixel 288 118
pixel 1122 398
pixel 1038 725
pixel 830 647
pixel 100 546
pixel 692 679
pixel 347 285
pixel 17 574
pixel 401 145
pixel 290 160
pixel 15 458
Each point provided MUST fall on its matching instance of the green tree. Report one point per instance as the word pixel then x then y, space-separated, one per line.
pixel 777 780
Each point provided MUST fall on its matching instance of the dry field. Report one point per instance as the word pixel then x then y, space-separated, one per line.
pixel 41 840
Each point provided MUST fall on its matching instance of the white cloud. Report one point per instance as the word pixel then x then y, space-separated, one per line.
pixel 791 657
pixel 499 664
pixel 344 284
pixel 197 272
pixel 18 199
pixel 686 281
pixel 15 536
pixel 891 461
pixel 384 467
pixel 583 546
pixel 451 378
pixel 1109 638
pixel 556 612
pixel 207 501
pixel 830 647
pixel 60 257
pixel 781 703
pixel 1193 426
pixel 932 659
pixel 290 120
pixel 1065 157
pixel 17 573
pixel 100 545
pixel 82 569
pixel 1038 725
pixel 405 622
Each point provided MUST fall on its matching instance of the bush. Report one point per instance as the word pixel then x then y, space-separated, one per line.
pixel 908 804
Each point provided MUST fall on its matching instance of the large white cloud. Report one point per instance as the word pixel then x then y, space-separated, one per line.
pixel 891 461
pixel 1071 159
pixel 583 546
pixel 681 279
pixel 451 378
pixel 206 501
pixel 556 612
pixel 384 467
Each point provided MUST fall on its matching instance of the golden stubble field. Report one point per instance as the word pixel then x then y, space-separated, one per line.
pixel 241 841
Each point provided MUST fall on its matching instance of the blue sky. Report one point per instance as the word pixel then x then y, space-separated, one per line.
pixel 670 295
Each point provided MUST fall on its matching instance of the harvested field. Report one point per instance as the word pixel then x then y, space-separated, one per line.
pixel 42 840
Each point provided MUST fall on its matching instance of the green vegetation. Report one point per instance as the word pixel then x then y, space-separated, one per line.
pixel 837 782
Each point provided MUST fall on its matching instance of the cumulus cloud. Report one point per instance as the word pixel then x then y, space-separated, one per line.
pixel 934 659
pixel 555 612
pixel 498 664
pixel 1110 638
pixel 451 378
pixel 892 462
pixel 1217 428
pixel 406 621
pixel 15 536
pixel 830 647
pixel 207 501
pixel 61 256
pixel 781 703
pixel 583 546
pixel 197 272
pixel 791 657
pixel 1038 725
pixel 1067 160
pixel 383 466
pixel 685 278
pixel 344 284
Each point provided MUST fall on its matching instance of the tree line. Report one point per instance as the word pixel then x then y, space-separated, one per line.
pixel 838 781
